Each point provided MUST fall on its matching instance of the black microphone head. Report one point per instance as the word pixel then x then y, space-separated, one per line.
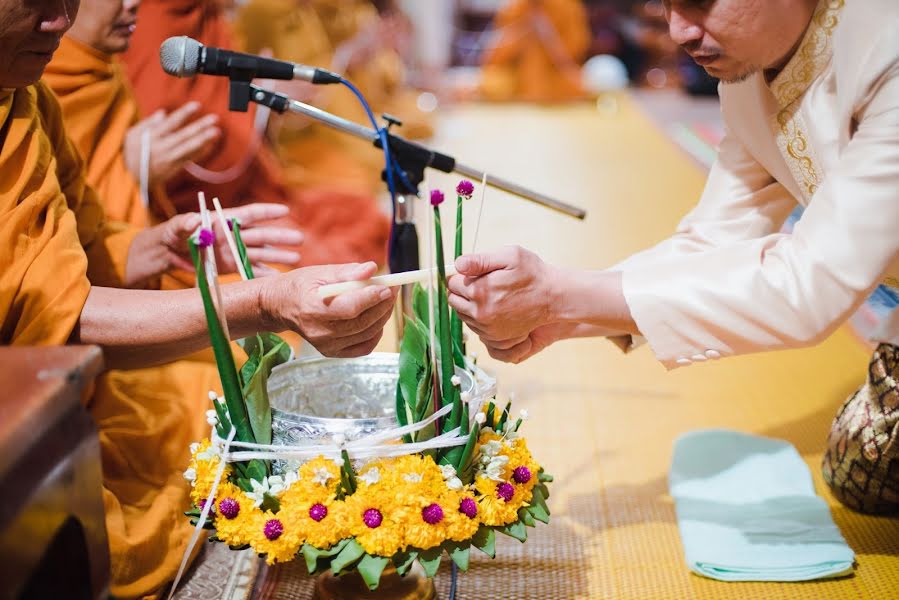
pixel 180 56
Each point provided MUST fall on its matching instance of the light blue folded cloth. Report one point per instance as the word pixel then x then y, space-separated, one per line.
pixel 747 510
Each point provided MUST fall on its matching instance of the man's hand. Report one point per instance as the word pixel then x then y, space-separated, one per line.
pixel 173 141
pixel 504 296
pixel 345 326
pixel 258 239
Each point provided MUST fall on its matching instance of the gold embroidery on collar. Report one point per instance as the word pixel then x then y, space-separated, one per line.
pixel 891 282
pixel 812 56
pixel 810 60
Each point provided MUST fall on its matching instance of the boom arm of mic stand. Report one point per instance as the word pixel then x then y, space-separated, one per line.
pixel 399 145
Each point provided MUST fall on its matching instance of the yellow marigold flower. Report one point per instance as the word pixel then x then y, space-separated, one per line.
pixel 204 466
pixel 372 518
pixel 462 518
pixel 322 472
pixel 238 520
pixel 319 523
pixel 493 509
pixel 270 537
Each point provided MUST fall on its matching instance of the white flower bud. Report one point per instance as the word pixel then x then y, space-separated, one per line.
pixel 465 397
pixel 456 380
pixel 480 418
pixel 339 439
pixel 213 395
pixel 524 415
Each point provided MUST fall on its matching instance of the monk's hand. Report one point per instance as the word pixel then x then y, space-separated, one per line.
pixel 171 141
pixel 347 325
pixel 504 296
pixel 258 238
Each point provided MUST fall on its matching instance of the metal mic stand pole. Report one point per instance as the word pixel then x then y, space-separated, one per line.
pixel 412 159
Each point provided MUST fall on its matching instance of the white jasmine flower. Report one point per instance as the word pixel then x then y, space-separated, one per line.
pixel 491 448
pixel 213 395
pixel 372 476
pixel 208 454
pixel 276 485
pixel 495 468
pixel 194 447
pixel 456 380
pixel 259 491
pixel 190 474
pixel 480 418
pixel 524 415
pixel 321 476
pixel 447 471
pixel 465 397
pixel 212 417
pixel 454 483
pixel 412 477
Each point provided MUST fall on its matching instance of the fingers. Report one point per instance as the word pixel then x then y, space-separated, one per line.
pixel 188 141
pixel 354 305
pixel 505 344
pixel 178 117
pixel 352 272
pixel 475 265
pixel 276 236
pixel 258 211
pixel 273 255
pixel 514 355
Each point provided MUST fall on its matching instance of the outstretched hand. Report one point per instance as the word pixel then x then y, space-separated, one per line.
pixel 344 326
pixel 504 297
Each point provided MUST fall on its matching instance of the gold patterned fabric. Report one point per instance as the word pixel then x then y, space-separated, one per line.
pixel 861 464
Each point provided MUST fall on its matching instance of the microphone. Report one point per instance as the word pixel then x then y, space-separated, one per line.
pixel 183 56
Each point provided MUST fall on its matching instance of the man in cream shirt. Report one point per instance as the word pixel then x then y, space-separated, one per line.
pixel 810 100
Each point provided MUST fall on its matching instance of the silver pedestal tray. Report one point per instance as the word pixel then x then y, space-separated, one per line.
pixel 314 400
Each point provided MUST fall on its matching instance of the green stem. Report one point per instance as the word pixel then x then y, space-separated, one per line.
pixel 455 321
pixel 450 392
pixel 241 249
pixel 224 360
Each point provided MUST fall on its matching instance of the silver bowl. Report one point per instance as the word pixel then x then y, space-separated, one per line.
pixel 314 400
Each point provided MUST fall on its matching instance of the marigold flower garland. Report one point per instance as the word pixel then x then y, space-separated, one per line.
pixel 343 516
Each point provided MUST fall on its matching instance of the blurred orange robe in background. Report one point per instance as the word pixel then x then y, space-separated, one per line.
pixel 313 33
pixel 98 110
pixel 520 65
pixel 59 242
pixel 339 225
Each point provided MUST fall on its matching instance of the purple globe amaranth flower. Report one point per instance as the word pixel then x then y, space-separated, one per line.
pixel 273 529
pixel 432 514
pixel 521 474
pixel 203 505
pixel 317 512
pixel 436 197
pixel 372 518
pixel 468 507
pixel 205 238
pixel 229 508
pixel 465 188
pixel 505 491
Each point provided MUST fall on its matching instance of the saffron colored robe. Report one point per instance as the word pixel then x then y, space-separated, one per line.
pixel 520 66
pixel 54 231
pixel 339 225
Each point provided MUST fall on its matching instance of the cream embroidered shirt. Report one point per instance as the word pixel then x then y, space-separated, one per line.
pixel 824 133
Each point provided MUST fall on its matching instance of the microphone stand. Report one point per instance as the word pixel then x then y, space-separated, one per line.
pixel 411 158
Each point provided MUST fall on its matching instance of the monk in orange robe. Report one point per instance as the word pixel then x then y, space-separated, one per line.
pixel 103 120
pixel 62 261
pixel 339 225
pixel 537 51
pixel 58 249
pixel 351 38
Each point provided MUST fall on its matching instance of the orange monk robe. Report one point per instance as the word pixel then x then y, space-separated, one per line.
pixel 309 33
pixel 98 110
pixel 521 66
pixel 339 225
pixel 54 233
